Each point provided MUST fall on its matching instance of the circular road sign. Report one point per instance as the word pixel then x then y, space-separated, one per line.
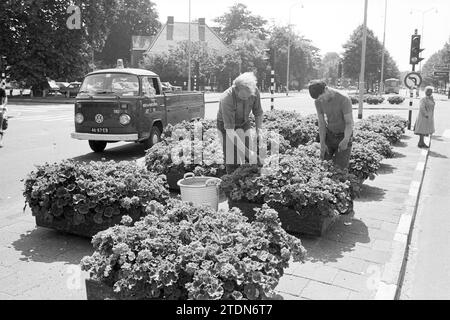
pixel 413 80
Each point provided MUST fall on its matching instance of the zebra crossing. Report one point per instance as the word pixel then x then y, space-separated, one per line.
pixel 39 113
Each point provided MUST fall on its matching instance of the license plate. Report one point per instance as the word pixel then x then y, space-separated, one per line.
pixel 99 130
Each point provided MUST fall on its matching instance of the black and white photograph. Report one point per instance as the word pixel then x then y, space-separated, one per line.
pixel 232 151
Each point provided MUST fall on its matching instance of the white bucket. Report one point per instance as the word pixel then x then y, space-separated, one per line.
pixel 200 190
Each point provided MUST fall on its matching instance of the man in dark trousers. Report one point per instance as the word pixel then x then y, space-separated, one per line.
pixel 235 106
pixel 3 102
pixel 337 129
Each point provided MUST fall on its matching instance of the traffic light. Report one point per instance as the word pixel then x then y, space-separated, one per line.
pixel 414 57
pixel 269 56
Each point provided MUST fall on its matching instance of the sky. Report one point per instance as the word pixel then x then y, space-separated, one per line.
pixel 329 23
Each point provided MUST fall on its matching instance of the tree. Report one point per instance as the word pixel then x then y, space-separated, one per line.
pixel 438 58
pixel 38 44
pixel 173 65
pixel 329 67
pixel 304 58
pixel 133 17
pixel 352 58
pixel 240 18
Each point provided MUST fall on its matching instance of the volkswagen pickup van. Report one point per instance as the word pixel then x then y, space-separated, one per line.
pixel 125 104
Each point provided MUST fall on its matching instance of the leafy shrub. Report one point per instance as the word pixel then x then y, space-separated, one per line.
pixel 203 157
pixel 92 193
pixel 396 99
pixel 300 182
pixel 374 99
pixel 189 126
pixel 355 99
pixel 392 133
pixel 364 161
pixel 297 130
pixel 390 120
pixel 184 252
pixel 377 141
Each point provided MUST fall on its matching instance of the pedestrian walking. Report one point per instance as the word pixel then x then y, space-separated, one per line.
pixel 235 105
pixel 3 109
pixel 424 125
pixel 335 117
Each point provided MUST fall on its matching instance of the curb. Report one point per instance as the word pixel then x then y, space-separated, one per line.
pixel 392 276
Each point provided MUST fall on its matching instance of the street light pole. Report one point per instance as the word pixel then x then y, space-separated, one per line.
pixel 189 49
pixel 289 49
pixel 381 89
pixel 363 63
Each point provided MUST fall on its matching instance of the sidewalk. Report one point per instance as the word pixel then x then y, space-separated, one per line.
pixel 359 258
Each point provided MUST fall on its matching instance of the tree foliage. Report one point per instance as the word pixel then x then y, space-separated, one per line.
pixel 329 67
pixel 133 17
pixel 438 58
pixel 374 49
pixel 304 58
pixel 240 18
pixel 38 44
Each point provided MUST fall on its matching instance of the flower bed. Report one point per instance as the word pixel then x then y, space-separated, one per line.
pixel 374 99
pixel 179 251
pixel 377 141
pixel 390 120
pixel 392 133
pixel 305 185
pixel 396 99
pixel 292 126
pixel 202 157
pixel 86 198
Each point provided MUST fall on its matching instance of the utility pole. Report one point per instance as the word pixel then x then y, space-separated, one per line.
pixel 382 55
pixel 189 50
pixel 363 64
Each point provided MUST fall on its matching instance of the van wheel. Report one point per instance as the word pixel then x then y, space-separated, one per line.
pixel 155 137
pixel 97 146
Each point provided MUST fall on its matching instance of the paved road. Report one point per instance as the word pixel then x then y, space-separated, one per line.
pixel 428 267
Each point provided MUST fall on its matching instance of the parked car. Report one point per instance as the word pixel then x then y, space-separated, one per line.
pixel 125 104
pixel 71 89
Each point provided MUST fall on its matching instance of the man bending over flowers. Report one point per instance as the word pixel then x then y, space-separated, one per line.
pixel 336 131
pixel 235 106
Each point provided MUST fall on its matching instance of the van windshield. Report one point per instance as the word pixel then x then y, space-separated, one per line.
pixel 111 83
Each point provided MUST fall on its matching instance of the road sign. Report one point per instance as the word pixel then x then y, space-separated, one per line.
pixel 441 73
pixel 413 80
pixel 441 67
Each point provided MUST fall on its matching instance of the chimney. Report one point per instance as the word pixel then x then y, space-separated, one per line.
pixel 170 22
pixel 201 29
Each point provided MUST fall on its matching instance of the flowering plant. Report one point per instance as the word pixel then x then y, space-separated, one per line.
pixel 392 133
pixel 396 99
pixel 180 251
pixel 371 99
pixel 390 120
pixel 364 161
pixel 92 193
pixel 292 126
pixel 300 182
pixel 376 140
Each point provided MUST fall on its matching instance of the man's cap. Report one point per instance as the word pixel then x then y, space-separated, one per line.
pixel 316 88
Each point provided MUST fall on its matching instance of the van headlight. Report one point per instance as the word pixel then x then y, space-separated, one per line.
pixel 124 119
pixel 79 118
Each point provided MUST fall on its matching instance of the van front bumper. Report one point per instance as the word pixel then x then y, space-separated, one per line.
pixel 105 137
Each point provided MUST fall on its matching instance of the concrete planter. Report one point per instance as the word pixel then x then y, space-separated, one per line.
pixel 87 229
pixel 311 222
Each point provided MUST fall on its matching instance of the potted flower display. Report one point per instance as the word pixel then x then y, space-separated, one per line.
pixel 183 252
pixel 84 199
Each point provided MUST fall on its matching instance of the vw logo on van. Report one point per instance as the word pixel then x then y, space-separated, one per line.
pixel 98 118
